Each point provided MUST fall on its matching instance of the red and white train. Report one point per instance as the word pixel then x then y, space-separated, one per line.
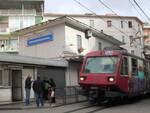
pixel 114 74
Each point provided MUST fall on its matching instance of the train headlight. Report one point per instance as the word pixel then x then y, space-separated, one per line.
pixel 111 79
pixel 82 78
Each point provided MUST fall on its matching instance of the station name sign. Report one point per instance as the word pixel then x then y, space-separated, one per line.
pixel 39 40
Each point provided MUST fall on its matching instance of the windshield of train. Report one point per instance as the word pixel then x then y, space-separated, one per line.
pixel 100 65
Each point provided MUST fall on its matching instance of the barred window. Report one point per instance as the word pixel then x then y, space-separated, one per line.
pixel 130 24
pixel 109 23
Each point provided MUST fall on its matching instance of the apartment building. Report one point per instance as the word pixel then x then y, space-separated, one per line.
pixel 127 29
pixel 14 15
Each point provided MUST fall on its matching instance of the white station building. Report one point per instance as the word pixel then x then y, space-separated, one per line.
pixel 52 49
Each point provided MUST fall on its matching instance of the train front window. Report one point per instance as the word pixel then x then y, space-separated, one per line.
pixel 100 65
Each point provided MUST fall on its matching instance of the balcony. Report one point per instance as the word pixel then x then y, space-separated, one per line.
pixel 8 50
pixel 31 12
pixel 9 45
pixel 4 31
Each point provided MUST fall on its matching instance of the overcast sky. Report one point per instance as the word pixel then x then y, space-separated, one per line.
pixel 121 7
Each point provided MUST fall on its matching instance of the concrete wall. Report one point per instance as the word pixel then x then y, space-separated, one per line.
pixel 88 44
pixel 72 75
pixel 5 94
pixel 5 88
pixel 45 50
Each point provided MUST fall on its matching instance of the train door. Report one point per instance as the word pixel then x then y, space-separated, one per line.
pixel 147 74
pixel 138 77
pixel 134 77
pixel 141 75
pixel 123 81
pixel 16 85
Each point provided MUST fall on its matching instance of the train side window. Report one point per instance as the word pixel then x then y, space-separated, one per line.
pixel 146 69
pixel 124 67
pixel 134 67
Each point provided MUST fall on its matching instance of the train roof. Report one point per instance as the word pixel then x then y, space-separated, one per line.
pixel 115 52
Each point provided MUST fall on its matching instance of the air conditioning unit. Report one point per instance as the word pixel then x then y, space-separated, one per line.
pixel 88 33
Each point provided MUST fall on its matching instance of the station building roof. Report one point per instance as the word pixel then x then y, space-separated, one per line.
pixel 11 58
pixel 70 22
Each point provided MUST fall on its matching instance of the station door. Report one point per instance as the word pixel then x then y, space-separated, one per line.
pixel 16 85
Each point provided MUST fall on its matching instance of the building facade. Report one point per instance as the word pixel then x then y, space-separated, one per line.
pixel 14 15
pixel 127 29
pixel 52 49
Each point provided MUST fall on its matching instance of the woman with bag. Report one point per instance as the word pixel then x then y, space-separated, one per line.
pixel 51 96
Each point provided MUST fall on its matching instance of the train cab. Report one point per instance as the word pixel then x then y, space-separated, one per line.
pixel 100 69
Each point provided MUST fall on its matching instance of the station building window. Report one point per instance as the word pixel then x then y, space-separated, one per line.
pixel 5 80
pixel 131 41
pixel 121 24
pixel 123 39
pixel 79 43
pixel 92 23
pixel 130 24
pixel 8 44
pixel 99 46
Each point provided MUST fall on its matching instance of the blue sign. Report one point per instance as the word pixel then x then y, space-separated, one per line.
pixel 39 40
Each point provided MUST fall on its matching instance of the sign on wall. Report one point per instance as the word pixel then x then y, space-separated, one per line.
pixel 39 40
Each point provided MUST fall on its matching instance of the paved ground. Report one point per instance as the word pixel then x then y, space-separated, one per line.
pixel 140 106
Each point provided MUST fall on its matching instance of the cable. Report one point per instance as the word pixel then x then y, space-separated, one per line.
pixel 107 6
pixel 84 6
pixel 141 10
pixel 116 14
pixel 135 8
pixel 100 18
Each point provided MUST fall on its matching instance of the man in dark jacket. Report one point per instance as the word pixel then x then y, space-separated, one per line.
pixel 27 89
pixel 38 90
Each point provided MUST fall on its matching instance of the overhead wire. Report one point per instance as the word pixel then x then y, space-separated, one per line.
pixel 135 8
pixel 141 10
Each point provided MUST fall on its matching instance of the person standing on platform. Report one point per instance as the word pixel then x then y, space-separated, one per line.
pixel 28 83
pixel 53 89
pixel 38 90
